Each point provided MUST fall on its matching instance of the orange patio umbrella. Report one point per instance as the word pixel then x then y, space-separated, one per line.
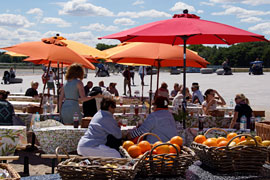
pixel 154 54
pixel 49 49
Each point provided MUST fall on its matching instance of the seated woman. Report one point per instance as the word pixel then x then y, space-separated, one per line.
pixel 33 90
pixel 160 122
pixel 211 102
pixel 162 91
pixel 178 99
pixel 112 89
pixel 6 109
pixel 102 126
pixel 241 108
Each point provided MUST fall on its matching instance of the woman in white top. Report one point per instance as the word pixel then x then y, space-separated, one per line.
pixel 211 102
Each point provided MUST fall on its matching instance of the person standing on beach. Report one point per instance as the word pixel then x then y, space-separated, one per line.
pixel 127 78
pixel 50 82
pixel 142 73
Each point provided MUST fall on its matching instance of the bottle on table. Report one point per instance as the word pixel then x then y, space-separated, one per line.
pixel 144 108
pixel 200 119
pixel 131 109
pixel 45 109
pixel 35 119
pixel 136 109
pixel 258 119
pixel 243 123
pixel 252 124
pixel 76 120
pixel 121 101
pixel 231 103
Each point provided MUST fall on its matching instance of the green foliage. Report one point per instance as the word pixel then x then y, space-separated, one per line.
pixel 101 46
pixel 180 116
pixel 239 55
pixel 5 58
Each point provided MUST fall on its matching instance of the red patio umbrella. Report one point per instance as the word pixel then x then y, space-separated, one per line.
pixel 186 29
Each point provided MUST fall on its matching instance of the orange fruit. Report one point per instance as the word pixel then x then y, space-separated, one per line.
pixel 210 142
pixel 157 143
pixel 222 143
pixel 134 151
pixel 173 150
pixel 177 140
pixel 127 144
pixel 236 140
pixel 200 139
pixel 164 149
pixel 219 139
pixel 140 156
pixel 231 135
pixel 242 138
pixel 145 146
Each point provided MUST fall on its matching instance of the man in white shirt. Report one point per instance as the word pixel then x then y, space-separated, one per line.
pixel 197 96
pixel 142 72
pixel 50 82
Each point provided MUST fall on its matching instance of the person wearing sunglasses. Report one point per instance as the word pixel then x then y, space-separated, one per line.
pixel 212 100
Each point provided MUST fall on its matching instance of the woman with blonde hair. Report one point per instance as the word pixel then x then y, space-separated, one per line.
pixel 71 93
pixel 242 108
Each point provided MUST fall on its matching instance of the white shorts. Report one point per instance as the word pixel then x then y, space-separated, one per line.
pixel 101 151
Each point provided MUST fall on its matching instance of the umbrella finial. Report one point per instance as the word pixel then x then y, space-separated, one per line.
pixel 185 11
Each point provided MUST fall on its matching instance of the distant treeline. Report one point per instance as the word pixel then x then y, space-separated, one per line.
pixel 239 55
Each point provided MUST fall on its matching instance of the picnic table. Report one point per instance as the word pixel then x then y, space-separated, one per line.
pixel 68 137
pixel 11 137
pixel 22 98
pixel 22 104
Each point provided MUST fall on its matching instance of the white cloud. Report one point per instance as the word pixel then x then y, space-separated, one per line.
pixel 150 13
pixel 57 21
pixel 12 20
pixel 262 27
pixel 200 11
pixel 249 2
pixel 256 2
pixel 251 20
pixel 138 2
pixel 180 6
pixel 36 11
pixel 82 8
pixel 207 3
pixel 124 21
pixel 99 27
pixel 241 12
pixel 12 37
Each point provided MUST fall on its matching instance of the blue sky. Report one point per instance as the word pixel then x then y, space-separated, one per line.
pixel 85 20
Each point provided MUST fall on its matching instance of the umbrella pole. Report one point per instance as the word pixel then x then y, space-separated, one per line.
pixel 44 85
pixel 58 84
pixel 142 84
pixel 158 73
pixel 150 92
pixel 62 73
pixel 184 103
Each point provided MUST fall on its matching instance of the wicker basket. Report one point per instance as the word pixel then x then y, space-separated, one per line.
pixel 164 165
pixel 100 168
pixel 263 129
pixel 14 175
pixel 232 159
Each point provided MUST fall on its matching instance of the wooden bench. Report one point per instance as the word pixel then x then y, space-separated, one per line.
pixel 4 159
pixel 259 113
pixel 53 157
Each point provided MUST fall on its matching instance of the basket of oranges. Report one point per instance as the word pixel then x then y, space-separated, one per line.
pixel 232 153
pixel 160 159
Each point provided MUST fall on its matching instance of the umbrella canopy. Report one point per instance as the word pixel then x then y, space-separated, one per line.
pixel 198 31
pixel 86 51
pixel 50 50
pixel 154 54
pixel 186 29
